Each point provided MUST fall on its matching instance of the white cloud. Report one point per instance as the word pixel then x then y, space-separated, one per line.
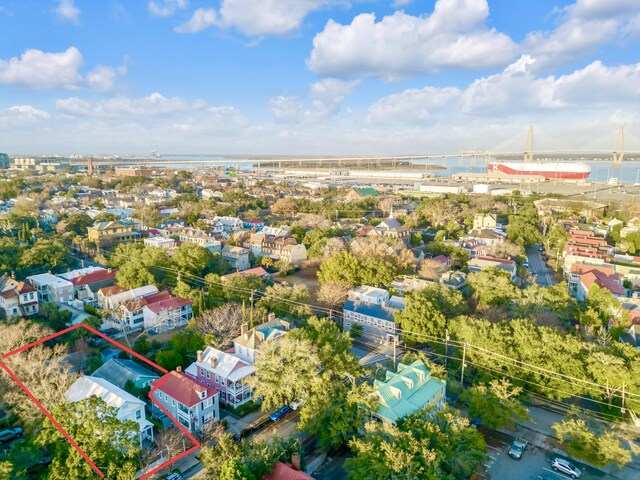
pixel 267 17
pixel 518 89
pixel 38 69
pixel 286 108
pixel 583 26
pixel 153 105
pixel 202 19
pixel 327 95
pixel 28 112
pixel 412 105
pixel 66 11
pixel 103 79
pixel 56 70
pixel 400 3
pixel 454 36
pixel 166 8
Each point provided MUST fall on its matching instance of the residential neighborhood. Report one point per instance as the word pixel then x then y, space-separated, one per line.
pixel 270 306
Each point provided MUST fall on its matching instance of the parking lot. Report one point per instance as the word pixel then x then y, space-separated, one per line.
pixel 535 463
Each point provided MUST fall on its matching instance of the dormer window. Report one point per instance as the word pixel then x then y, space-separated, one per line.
pixel 203 394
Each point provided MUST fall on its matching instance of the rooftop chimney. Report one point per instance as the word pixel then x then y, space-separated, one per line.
pixel 199 356
pixel 214 362
pixel 295 461
pixel 271 316
pixel 179 369
pixel 243 328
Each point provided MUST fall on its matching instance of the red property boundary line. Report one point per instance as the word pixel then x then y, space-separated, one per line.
pixel 4 366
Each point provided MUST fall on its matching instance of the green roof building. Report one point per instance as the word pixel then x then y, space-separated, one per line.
pixel 410 389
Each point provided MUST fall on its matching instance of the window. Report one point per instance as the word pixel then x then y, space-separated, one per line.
pixel 222 382
pixel 202 372
pixel 208 375
pixel 138 414
pixel 173 403
pixel 217 379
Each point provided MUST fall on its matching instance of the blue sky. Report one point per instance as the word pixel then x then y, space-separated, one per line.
pixel 316 76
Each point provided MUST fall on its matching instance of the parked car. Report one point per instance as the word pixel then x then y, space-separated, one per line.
pixel 566 467
pixel 517 448
pixel 279 413
pixel 10 433
pixel 174 476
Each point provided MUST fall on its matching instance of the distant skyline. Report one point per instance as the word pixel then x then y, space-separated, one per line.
pixel 325 77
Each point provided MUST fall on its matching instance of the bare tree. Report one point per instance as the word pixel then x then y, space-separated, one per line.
pixel 371 247
pixel 333 246
pixel 284 206
pixel 210 431
pixel 170 441
pixel 430 269
pixel 313 220
pixel 41 369
pixel 220 325
pixel 505 249
pixel 386 204
pixel 333 294
pixel 439 211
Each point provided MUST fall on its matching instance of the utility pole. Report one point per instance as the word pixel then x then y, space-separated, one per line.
pixel 395 341
pixel 446 347
pixel 622 409
pixel 251 310
pixel 464 357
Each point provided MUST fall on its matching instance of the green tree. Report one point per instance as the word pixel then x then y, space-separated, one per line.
pixel 131 275
pixel 47 254
pixel 523 228
pixel 491 287
pixel 283 298
pixel 110 443
pixel 335 412
pixel 169 359
pixel 238 289
pixel 428 310
pixel 286 370
pixel 78 223
pixel 597 445
pixel 428 444
pixel 497 404
pixel 10 254
pixel 56 318
pixel 192 259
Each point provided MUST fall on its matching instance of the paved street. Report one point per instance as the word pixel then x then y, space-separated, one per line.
pixel 538 267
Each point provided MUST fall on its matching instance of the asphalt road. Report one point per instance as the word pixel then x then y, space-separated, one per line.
pixel 535 462
pixel 538 267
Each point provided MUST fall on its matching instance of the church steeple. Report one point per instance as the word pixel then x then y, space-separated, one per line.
pixel 391 212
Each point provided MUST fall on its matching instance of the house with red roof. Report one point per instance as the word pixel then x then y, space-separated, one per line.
pixel 192 404
pixel 482 262
pixel 167 313
pixel 17 299
pixel 288 471
pixel 86 285
pixel 595 277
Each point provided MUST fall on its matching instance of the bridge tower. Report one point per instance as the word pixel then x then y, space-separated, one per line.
pixel 528 146
pixel 618 150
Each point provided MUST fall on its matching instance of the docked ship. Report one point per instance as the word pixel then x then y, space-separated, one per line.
pixel 568 170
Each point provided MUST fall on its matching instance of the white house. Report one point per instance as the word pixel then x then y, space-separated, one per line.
pixel 237 257
pixel 224 372
pixel 159 242
pixel 247 344
pixel 51 288
pixel 168 313
pixel 128 406
pixel 17 298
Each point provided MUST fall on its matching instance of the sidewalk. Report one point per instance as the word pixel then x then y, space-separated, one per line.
pixel 236 425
